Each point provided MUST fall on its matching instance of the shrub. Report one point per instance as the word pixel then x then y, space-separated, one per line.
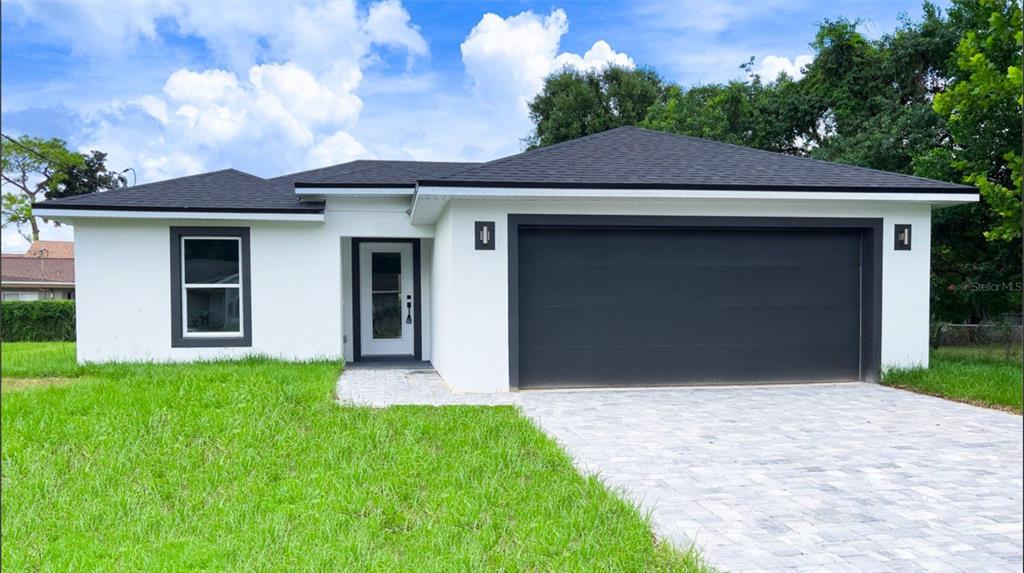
pixel 37 320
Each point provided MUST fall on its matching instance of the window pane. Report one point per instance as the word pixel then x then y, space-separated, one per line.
pixel 211 261
pixel 387 316
pixel 387 272
pixel 212 310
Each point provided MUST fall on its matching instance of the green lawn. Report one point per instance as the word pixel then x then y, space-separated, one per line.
pixel 250 465
pixel 977 376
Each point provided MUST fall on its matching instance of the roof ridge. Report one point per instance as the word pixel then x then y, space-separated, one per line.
pixel 370 164
pixel 559 145
pixel 122 190
pixel 336 165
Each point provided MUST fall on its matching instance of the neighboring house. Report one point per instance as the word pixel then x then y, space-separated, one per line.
pixel 629 257
pixel 46 271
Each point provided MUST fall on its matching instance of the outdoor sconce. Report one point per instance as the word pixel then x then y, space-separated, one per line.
pixel 484 235
pixel 902 237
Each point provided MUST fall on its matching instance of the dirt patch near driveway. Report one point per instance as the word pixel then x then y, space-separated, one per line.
pixel 17 384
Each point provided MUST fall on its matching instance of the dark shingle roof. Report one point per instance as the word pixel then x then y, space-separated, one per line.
pixel 371 173
pixel 636 158
pixel 225 190
pixel 621 158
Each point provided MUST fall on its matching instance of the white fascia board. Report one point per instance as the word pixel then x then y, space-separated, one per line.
pixel 355 192
pixel 560 193
pixel 62 215
pixel 429 202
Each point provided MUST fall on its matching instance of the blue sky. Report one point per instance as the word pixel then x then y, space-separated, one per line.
pixel 174 88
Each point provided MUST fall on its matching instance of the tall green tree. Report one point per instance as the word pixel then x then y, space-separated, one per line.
pixel 938 97
pixel 984 107
pixel 34 168
pixel 575 103
pixel 751 113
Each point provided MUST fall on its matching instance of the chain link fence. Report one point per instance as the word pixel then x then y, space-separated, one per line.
pixel 1001 341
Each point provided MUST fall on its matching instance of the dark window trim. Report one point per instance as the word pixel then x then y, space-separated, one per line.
pixel 417 343
pixel 871 266
pixel 178 340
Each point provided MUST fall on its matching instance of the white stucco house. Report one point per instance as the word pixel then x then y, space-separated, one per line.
pixel 629 257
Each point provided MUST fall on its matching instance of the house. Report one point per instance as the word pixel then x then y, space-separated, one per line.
pixel 628 257
pixel 46 271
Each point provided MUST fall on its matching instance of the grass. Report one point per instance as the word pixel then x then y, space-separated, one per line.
pixel 39 360
pixel 971 375
pixel 250 465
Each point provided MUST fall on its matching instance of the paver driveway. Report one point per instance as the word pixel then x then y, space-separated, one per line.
pixel 839 477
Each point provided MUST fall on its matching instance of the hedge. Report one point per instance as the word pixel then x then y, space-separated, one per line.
pixel 37 320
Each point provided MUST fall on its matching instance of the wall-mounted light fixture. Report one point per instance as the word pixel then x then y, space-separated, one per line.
pixel 902 237
pixel 484 235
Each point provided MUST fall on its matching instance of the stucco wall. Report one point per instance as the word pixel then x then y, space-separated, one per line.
pixel 301 280
pixel 301 283
pixel 123 307
pixel 475 333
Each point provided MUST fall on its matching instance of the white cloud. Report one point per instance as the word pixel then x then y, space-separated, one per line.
pixel 113 27
pixel 337 148
pixel 508 58
pixel 597 57
pixel 311 34
pixel 285 97
pixel 389 23
pixel 300 85
pixel 770 66
pixel 705 16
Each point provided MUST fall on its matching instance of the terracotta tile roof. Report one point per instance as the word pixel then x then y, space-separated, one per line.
pixel 20 268
pixel 52 249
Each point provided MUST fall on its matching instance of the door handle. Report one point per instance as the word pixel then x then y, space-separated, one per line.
pixel 408 309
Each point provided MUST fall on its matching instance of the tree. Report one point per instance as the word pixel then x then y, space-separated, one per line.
pixel 45 168
pixel 575 103
pixel 750 113
pixel 983 109
pixel 938 97
pixel 91 176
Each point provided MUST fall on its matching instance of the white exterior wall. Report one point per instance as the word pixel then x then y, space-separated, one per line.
pixel 445 353
pixel 300 274
pixel 298 269
pixel 471 335
pixel 123 307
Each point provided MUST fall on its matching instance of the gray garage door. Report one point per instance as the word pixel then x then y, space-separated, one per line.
pixel 635 306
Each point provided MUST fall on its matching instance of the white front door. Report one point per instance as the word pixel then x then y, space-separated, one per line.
pixel 386 313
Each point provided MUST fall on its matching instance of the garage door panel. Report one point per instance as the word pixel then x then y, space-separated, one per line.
pixel 676 306
pixel 690 325
pixel 678 366
pixel 556 246
pixel 645 285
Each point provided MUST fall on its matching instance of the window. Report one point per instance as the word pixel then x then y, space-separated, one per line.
pixel 386 290
pixel 210 286
pixel 21 295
